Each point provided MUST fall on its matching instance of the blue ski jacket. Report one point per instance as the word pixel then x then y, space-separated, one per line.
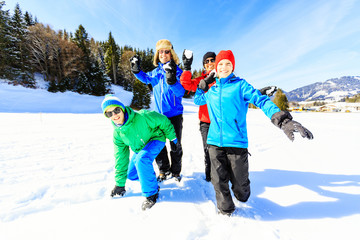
pixel 228 102
pixel 167 97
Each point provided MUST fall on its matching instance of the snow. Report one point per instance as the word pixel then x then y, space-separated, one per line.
pixel 57 171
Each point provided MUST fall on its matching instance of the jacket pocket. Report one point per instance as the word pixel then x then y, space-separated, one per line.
pixel 238 128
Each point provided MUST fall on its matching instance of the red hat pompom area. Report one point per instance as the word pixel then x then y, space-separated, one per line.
pixel 225 54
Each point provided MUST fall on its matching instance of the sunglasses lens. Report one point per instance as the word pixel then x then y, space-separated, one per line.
pixel 209 60
pixel 164 51
pixel 117 110
pixel 108 114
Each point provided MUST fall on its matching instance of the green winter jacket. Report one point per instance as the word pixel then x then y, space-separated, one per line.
pixel 140 128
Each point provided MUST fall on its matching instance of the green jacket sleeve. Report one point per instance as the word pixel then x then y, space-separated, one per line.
pixel 157 120
pixel 122 153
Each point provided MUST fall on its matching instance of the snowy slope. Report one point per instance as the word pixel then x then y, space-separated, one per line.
pixel 56 174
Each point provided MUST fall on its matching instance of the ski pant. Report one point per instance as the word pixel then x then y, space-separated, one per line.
pixel 141 167
pixel 204 129
pixel 229 164
pixel 176 152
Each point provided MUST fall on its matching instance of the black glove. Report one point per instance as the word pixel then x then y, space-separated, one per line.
pixel 269 91
pixel 187 59
pixel 135 64
pixel 204 84
pixel 170 72
pixel 118 191
pixel 284 121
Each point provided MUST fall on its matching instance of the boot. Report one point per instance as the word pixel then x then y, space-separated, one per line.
pixel 163 176
pixel 176 176
pixel 149 201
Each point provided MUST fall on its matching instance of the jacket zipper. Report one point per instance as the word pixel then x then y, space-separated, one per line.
pixel 161 96
pixel 221 115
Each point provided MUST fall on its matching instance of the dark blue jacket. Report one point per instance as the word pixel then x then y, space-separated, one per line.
pixel 167 97
pixel 228 102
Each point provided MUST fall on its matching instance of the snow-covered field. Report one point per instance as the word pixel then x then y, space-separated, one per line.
pixel 57 171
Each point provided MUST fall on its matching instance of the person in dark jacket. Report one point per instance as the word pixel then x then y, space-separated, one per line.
pixel 191 85
pixel 145 132
pixel 168 93
pixel 227 103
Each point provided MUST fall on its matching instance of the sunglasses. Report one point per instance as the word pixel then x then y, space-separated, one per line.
pixel 164 51
pixel 209 60
pixel 115 111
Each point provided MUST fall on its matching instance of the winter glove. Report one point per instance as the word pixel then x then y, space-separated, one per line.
pixel 118 191
pixel 187 59
pixel 204 84
pixel 170 72
pixel 135 64
pixel 269 91
pixel 284 121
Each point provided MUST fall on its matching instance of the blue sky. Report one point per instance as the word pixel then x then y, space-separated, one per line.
pixel 287 43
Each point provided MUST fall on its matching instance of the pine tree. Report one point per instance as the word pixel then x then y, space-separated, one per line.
pixel 112 57
pixel 92 80
pixel 21 56
pixel 5 40
pixel 141 96
pixel 281 100
pixel 28 19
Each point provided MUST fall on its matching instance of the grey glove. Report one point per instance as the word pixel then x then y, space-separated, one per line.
pixel 135 64
pixel 170 72
pixel 204 84
pixel 187 59
pixel 269 91
pixel 118 191
pixel 284 121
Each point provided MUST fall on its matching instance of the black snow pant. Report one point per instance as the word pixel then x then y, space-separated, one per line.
pixel 204 129
pixel 162 160
pixel 229 164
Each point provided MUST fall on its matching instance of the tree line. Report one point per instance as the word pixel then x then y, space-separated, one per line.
pixel 67 61
pixel 73 61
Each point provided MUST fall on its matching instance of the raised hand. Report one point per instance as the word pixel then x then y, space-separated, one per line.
pixel 204 84
pixel 170 72
pixel 135 64
pixel 187 59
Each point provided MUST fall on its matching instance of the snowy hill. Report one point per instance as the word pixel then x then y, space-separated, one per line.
pixel 57 171
pixel 332 89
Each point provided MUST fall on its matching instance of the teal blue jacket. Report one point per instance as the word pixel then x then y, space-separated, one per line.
pixel 228 102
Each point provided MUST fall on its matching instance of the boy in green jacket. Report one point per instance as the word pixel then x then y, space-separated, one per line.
pixel 145 132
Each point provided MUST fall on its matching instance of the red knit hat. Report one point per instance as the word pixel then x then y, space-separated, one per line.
pixel 225 54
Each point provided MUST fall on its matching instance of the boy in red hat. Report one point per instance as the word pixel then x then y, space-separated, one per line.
pixel 208 75
pixel 228 102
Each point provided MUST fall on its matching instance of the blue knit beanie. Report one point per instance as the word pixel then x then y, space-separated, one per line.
pixel 111 101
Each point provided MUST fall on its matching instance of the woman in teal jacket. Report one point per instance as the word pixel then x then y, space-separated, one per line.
pixel 145 132
pixel 227 103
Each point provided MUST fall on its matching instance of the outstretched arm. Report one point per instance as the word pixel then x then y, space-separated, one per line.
pixel 284 121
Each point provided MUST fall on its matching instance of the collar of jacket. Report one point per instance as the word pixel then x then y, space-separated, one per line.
pixel 161 66
pixel 204 74
pixel 225 80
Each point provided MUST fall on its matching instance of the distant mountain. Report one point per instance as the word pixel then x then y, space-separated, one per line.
pixel 332 89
